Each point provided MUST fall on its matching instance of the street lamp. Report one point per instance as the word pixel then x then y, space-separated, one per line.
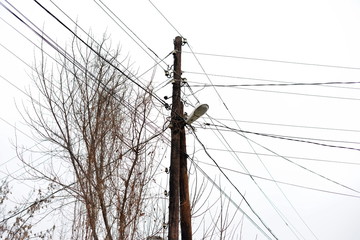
pixel 198 112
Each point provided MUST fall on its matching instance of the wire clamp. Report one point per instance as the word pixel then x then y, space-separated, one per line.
pixel 167 73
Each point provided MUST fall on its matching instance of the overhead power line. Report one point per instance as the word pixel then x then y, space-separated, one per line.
pixel 299 165
pixel 282 182
pixel 292 157
pixel 274 84
pixel 261 190
pixel 68 186
pixel 298 94
pixel 104 59
pixel 167 20
pixel 284 137
pixel 249 142
pixel 287 137
pixel 66 55
pixel 332 84
pixel 237 190
pixel 282 216
pixel 77 25
pixel 106 10
pixel 274 60
pixel 62 52
pixel 289 125
pixel 228 197
pixel 58 48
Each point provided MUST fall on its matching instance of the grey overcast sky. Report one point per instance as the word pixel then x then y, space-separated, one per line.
pixel 263 63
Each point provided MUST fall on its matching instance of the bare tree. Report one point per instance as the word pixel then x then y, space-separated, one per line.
pixel 101 152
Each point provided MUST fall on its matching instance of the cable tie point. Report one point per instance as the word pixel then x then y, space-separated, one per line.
pixel 167 106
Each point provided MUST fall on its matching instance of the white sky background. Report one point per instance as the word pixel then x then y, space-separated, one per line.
pixel 319 32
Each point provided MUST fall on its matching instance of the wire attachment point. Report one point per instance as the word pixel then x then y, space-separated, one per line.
pixel 167 73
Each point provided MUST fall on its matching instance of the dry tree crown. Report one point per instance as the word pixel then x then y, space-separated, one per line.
pixel 95 121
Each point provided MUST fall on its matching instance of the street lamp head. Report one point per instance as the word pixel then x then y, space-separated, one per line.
pixel 198 112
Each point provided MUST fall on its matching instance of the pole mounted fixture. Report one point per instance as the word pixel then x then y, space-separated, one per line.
pixel 198 112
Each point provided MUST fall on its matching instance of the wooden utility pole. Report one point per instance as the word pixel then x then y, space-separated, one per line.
pixel 179 188
pixel 176 122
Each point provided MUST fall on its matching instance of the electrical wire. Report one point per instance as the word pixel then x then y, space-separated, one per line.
pixel 92 39
pixel 295 185
pixel 56 47
pixel 282 182
pixel 283 137
pixel 232 184
pixel 274 60
pixel 282 216
pixel 122 22
pixel 228 110
pixel 28 65
pixel 100 56
pixel 229 198
pixel 299 94
pixel 157 63
pixel 273 84
pixel 292 157
pixel 288 125
pixel 299 165
pixel 71 60
pixel 157 9
pixel 62 52
pixel 154 136
pixel 18 130
pixel 67 187
pixel 339 84
pixel 286 137
pixel 241 133
pixel 242 87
